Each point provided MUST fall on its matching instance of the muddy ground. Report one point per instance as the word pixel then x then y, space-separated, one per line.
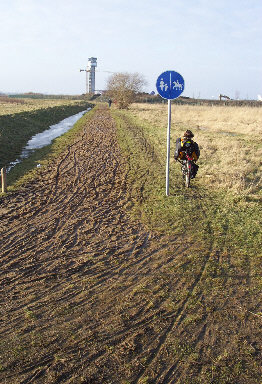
pixel 89 296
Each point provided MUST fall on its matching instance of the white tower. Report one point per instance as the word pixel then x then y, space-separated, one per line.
pixel 92 64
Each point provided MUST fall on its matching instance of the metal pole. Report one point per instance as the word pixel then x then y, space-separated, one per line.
pixel 3 177
pixel 168 147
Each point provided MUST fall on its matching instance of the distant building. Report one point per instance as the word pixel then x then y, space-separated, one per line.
pixel 91 66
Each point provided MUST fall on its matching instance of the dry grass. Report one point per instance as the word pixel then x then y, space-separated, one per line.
pixel 229 139
pixel 12 106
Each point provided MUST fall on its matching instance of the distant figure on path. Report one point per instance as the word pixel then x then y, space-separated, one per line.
pixel 109 103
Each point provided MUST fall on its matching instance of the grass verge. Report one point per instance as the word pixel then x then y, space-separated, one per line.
pixel 199 211
pixel 229 224
pixel 223 230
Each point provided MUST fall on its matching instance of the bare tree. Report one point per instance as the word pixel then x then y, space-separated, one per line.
pixel 122 87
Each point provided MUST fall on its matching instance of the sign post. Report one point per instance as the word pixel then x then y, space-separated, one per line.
pixel 169 85
pixel 3 178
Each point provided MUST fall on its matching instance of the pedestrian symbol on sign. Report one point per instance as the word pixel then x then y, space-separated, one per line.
pixel 163 85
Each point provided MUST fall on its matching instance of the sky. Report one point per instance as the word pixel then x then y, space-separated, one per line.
pixel 216 45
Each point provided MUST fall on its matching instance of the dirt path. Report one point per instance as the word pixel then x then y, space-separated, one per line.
pixel 70 255
pixel 87 296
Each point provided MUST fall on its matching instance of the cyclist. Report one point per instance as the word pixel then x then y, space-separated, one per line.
pixel 187 142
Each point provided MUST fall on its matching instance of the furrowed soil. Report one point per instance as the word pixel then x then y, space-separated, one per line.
pixel 90 296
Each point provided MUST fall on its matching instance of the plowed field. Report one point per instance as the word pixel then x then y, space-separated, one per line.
pixel 89 296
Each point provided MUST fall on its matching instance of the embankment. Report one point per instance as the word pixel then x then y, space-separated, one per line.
pixel 16 129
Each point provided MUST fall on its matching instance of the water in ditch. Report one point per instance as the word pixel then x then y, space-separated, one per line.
pixel 42 139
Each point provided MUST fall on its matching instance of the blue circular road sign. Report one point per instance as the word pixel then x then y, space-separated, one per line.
pixel 170 85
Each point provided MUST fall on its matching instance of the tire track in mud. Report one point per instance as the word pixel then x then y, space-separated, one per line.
pixel 76 206
pixel 168 375
pixel 178 318
pixel 171 374
pixel 180 315
pixel 175 322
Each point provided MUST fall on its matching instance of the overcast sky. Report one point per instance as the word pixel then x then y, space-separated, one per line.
pixel 216 45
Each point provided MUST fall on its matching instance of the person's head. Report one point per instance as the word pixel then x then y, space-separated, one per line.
pixel 188 134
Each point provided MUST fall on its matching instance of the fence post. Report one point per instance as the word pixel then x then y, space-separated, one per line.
pixel 3 177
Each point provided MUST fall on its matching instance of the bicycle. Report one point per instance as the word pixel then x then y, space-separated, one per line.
pixel 187 167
